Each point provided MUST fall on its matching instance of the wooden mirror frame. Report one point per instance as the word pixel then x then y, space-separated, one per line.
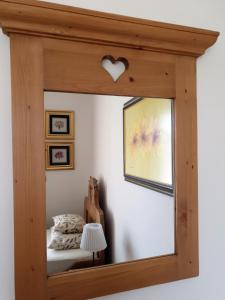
pixel 59 48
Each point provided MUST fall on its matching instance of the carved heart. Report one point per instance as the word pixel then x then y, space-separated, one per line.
pixel 114 67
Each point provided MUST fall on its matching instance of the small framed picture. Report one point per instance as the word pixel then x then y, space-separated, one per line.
pixel 59 156
pixel 59 124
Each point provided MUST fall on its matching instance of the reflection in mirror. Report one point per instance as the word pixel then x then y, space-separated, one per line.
pixel 108 162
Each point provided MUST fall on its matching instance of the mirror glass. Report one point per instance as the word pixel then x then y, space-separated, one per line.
pixel 109 179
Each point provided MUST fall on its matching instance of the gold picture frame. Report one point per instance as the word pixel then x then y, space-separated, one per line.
pixel 59 124
pixel 59 156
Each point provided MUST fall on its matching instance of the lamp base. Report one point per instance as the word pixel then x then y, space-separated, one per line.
pixel 93 259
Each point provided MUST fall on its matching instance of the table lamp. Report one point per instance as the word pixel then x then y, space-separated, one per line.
pixel 93 238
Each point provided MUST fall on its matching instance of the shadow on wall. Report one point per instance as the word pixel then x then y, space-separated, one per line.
pixel 109 221
pixel 109 229
pixel 128 247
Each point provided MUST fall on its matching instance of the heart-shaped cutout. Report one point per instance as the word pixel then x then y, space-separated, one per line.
pixel 114 67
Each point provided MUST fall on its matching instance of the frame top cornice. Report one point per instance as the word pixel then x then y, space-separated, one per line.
pixel 44 19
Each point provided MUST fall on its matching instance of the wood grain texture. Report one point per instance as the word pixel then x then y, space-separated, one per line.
pixel 76 67
pixel 186 165
pixel 104 280
pixel 28 167
pixel 63 22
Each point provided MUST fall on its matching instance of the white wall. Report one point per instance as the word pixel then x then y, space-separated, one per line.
pixel 66 189
pixel 139 221
pixel 211 110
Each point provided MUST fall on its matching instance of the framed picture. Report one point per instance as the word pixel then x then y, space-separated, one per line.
pixel 59 156
pixel 59 124
pixel 148 143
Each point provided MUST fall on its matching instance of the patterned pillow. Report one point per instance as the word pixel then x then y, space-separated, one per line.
pixel 68 223
pixel 60 241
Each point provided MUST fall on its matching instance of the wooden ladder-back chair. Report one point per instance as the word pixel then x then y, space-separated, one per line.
pixel 92 211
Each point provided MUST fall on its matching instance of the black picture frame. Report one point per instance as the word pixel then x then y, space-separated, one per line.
pixel 52 117
pixel 59 125
pixel 150 184
pixel 67 149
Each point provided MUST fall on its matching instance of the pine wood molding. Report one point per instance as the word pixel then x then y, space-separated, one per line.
pixel 60 48
pixel 63 22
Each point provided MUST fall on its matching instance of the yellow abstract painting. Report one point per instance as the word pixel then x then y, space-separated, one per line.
pixel 148 140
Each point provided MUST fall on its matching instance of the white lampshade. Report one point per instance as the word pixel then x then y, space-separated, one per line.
pixel 93 238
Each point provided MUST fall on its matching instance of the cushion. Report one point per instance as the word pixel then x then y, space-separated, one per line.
pixel 68 223
pixel 61 241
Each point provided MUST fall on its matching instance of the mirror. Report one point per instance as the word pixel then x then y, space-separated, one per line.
pixel 84 138
pixel 68 57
